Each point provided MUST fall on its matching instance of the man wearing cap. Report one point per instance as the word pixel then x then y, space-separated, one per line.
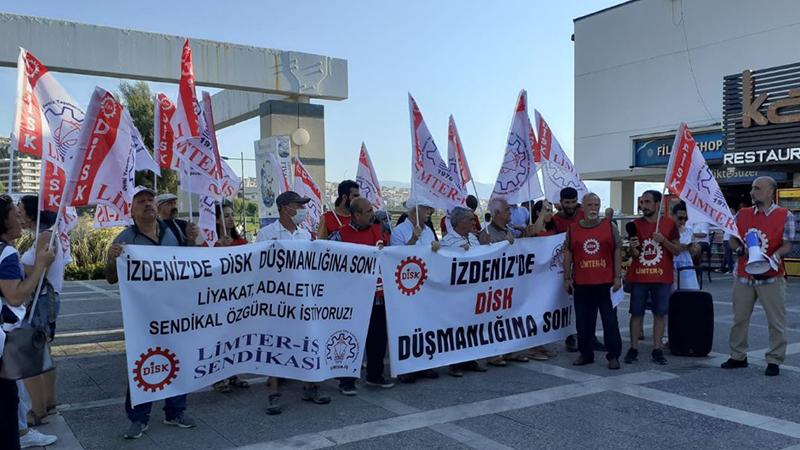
pixel 147 229
pixel 291 213
pixel 776 229
pixel 167 206
pixel 414 231
pixel 362 229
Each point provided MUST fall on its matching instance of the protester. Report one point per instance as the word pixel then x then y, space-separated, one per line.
pixel 686 278
pixel 228 236
pixel 167 205
pixel 409 233
pixel 362 229
pixel 340 216
pixel 543 225
pixel 569 213
pixel 609 213
pixel 291 213
pixel 651 272
pixel 461 235
pixel 472 204
pixel 592 269
pixel 520 219
pixel 776 228
pixel 41 388
pixel 17 288
pixel 499 230
pixel 148 229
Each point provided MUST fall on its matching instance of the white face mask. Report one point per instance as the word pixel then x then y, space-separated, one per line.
pixel 299 216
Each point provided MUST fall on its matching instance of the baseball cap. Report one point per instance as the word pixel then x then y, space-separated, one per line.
pixel 291 197
pixel 165 197
pixel 139 189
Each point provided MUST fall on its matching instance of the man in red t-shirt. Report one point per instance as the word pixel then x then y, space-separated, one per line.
pixel 651 272
pixel 340 216
pixel 362 229
pixel 592 266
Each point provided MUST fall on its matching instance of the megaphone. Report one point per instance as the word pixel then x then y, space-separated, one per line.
pixel 757 262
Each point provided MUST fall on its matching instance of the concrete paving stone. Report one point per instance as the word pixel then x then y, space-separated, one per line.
pixel 746 389
pixel 93 305
pixel 245 420
pixel 93 322
pixel 473 387
pixel 422 439
pixel 74 385
pixel 102 428
pixel 748 438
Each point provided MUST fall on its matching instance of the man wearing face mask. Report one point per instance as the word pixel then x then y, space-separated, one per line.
pixel 362 229
pixel 340 216
pixel 291 213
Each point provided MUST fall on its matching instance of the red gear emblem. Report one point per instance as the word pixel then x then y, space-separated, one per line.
pixel 410 275
pixel 155 369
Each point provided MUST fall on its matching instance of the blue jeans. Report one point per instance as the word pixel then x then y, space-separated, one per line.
pixel 659 296
pixel 173 408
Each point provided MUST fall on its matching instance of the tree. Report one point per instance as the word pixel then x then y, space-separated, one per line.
pixel 138 98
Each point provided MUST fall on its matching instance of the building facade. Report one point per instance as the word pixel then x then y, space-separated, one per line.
pixel 645 66
pixel 27 170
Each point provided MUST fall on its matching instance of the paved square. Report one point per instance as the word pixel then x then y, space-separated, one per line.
pixel 689 403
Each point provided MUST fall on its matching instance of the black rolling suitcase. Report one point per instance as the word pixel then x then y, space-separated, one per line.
pixel 691 321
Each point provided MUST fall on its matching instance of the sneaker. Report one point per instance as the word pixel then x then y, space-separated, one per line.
pixel 571 343
pixel 135 430
pixel 274 404
pixel 581 361
pixel 632 356
pixel 538 354
pixel 658 356
pixel 498 362
pixel 734 363
pixel 348 389
pixel 613 364
pixel 772 370
pixel 182 421
pixel 33 438
pixel 476 366
pixel 455 372
pixel 311 394
pixel 380 382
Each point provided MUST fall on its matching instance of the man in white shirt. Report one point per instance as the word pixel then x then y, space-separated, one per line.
pixel 291 213
pixel 413 230
pixel 460 233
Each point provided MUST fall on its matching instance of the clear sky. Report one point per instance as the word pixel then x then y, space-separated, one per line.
pixel 466 58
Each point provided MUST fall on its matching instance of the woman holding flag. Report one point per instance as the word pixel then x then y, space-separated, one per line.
pixel 42 387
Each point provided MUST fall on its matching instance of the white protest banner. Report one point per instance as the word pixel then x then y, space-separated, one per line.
pixel 689 177
pixel 290 309
pixel 455 306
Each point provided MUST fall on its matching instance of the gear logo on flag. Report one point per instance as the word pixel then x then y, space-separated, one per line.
pixel 109 107
pixel 155 369
pixel 651 253
pixel 410 275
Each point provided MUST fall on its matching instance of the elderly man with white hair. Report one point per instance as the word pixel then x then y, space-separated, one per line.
pixel 499 230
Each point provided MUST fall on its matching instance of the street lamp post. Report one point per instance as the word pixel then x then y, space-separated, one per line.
pixel 242 159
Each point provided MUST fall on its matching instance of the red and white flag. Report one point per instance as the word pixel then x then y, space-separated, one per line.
pixel 367 180
pixel 517 181
pixel 537 150
pixel 163 135
pixel 45 112
pixel 144 160
pixel 186 122
pixel 106 157
pixel 230 181
pixel 207 221
pixel 455 154
pixel 307 187
pixel 431 178
pixel 106 216
pixel 558 172
pixel 689 177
